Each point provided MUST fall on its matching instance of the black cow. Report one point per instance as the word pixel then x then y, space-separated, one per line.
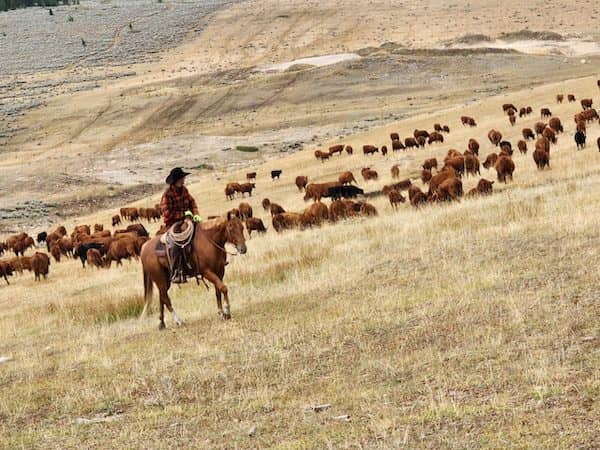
pixel 41 237
pixel 580 139
pixel 81 251
pixel 275 174
pixel 338 192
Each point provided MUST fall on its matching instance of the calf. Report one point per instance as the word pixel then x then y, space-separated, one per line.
pixel 81 250
pixel 369 174
pixel 522 146
pixel 251 176
pixel 275 174
pixel 430 163
pixel 545 112
pixel 571 98
pixel 395 171
pixel 321 155
pixel 41 237
pixel 116 220
pixel 255 224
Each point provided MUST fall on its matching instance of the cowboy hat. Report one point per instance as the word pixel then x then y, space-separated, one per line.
pixel 176 174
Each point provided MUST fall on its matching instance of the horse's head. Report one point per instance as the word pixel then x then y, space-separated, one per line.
pixel 234 233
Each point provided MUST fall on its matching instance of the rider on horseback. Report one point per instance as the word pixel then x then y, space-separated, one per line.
pixel 178 206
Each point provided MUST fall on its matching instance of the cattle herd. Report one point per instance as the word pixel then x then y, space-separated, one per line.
pixel 441 181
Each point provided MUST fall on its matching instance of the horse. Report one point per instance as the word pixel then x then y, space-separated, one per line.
pixel 208 258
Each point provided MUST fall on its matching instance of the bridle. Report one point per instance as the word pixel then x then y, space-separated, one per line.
pixel 222 247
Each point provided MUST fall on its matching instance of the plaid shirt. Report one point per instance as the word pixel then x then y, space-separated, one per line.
pixel 175 202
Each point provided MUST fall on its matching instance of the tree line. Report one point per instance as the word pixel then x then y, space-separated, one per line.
pixel 6 5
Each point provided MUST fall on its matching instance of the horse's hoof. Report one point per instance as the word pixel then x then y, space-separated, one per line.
pixel 180 323
pixel 161 326
pixel 226 316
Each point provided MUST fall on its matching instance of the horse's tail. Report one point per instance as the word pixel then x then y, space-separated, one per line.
pixel 147 293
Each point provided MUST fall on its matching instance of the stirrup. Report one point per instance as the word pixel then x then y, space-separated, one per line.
pixel 178 278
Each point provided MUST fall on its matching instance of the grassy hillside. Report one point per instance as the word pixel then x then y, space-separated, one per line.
pixel 457 326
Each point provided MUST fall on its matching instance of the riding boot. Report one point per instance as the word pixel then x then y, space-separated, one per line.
pixel 178 273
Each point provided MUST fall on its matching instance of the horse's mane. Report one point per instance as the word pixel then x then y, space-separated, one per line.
pixel 209 224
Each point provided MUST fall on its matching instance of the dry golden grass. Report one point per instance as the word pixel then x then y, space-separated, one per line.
pixel 459 326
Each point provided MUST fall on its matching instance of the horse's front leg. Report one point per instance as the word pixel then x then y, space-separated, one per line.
pixel 221 289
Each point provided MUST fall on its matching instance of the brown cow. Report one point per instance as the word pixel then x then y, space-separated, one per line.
pixel 411 142
pixel 395 198
pixel 395 171
pixel 484 187
pixel 94 258
pixel 430 163
pixel 246 188
pixel 549 134
pixel 505 168
pixel 449 189
pixel 349 149
pixel 40 263
pixel 6 270
pixel 559 98
pixel 266 204
pixel 539 128
pixel 457 163
pixel 314 215
pixel 466 120
pixel 435 137
pixel 581 126
pixel 416 196
pixel 473 145
pixel 397 145
pixel 545 112
pixel 370 149
pixel 98 227
pixel 439 177
pixel 426 175
pixel 316 191
pixel 471 165
pixel 495 137
pixel 571 98
pixel 116 220
pixel 384 150
pixel 365 209
pixel 556 125
pixel 507 107
pixel 586 103
pixel 286 221
pixel 437 127
pixel 423 133
pixel 369 174
pixel 394 136
pixel 119 249
pixel 490 160
pixel 541 158
pixel 274 208
pixel 55 251
pixel 323 156
pixel 528 133
pixel 245 210
pixel 250 176
pixel 522 112
pixel 446 129
pixel 522 146
pixel 339 148
pixel 347 178
pixel 255 224
pixel 231 189
pixel 301 182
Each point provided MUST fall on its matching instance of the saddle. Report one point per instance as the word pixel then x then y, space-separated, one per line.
pixel 175 246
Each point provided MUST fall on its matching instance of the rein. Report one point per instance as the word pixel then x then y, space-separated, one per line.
pixel 220 247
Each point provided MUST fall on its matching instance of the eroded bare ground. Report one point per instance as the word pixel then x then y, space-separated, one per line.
pixel 92 135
